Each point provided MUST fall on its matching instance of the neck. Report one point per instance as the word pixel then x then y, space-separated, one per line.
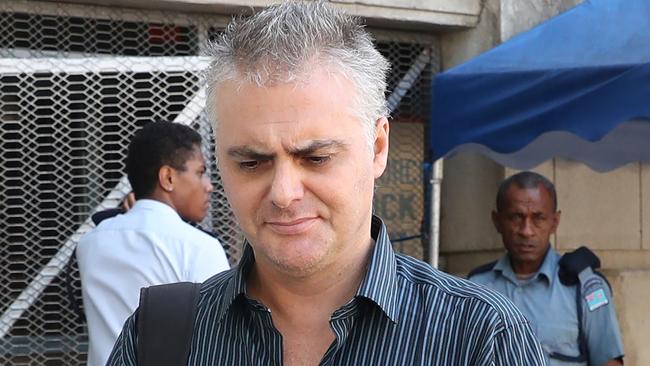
pixel 524 276
pixel 317 294
pixel 161 196
pixel 526 268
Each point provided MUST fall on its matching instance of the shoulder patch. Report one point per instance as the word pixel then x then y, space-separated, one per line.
pixel 481 269
pixel 596 299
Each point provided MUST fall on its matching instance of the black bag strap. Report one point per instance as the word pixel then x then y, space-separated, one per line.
pixel 166 323
pixel 571 265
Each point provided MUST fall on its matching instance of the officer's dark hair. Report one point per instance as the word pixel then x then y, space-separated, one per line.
pixel 525 180
pixel 155 145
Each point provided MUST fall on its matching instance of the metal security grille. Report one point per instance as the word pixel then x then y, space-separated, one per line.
pixel 75 83
pixel 400 197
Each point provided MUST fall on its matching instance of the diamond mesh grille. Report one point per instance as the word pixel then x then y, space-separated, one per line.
pixel 400 194
pixel 71 96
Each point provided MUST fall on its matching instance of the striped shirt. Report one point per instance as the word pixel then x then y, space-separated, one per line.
pixel 404 313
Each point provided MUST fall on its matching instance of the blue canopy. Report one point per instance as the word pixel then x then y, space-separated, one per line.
pixel 556 90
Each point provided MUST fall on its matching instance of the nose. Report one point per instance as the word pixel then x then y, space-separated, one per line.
pixel 286 186
pixel 526 229
pixel 208 184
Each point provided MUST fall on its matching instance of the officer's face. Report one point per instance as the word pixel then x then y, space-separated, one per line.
pixel 526 223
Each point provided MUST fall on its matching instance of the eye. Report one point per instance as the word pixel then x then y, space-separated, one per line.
pixel 318 160
pixel 539 219
pixel 516 217
pixel 249 165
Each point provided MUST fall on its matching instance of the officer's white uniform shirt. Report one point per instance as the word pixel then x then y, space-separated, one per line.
pixel 149 245
pixel 550 306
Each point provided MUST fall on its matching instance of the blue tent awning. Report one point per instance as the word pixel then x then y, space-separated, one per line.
pixel 578 76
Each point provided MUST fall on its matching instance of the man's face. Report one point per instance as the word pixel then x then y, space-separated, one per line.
pixel 192 188
pixel 526 223
pixel 298 171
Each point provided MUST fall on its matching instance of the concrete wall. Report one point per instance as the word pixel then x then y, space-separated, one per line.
pixel 632 297
pixel 469 179
pixel 403 14
pixel 518 16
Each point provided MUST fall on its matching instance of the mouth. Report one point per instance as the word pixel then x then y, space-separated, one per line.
pixel 291 227
pixel 526 248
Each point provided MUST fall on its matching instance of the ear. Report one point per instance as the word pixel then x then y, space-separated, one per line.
pixel 381 146
pixel 495 221
pixel 166 178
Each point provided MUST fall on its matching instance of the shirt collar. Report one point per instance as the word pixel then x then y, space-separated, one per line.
pixel 549 266
pixel 154 205
pixel 236 286
pixel 380 281
pixel 547 269
pixel 377 286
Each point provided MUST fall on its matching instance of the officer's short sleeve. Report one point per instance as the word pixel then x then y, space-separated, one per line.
pixel 125 348
pixel 600 323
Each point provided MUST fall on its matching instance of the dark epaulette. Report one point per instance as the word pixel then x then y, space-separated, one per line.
pixel 100 216
pixel 482 269
pixel 572 263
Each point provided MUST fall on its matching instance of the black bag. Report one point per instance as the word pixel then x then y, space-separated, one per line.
pixel 166 323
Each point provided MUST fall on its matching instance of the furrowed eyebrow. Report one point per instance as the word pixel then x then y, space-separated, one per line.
pixel 245 152
pixel 316 145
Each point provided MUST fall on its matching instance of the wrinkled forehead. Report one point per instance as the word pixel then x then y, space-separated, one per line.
pixel 530 199
pixel 270 73
pixel 288 117
pixel 305 86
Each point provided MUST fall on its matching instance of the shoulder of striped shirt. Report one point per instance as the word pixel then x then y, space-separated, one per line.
pixel 219 281
pixel 423 274
pixel 420 273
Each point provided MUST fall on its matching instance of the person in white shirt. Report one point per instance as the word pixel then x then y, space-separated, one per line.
pixel 151 244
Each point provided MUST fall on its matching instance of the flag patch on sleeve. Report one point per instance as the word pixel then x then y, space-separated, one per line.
pixel 596 299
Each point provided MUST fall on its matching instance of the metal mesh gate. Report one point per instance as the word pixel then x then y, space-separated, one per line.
pixel 400 192
pixel 75 83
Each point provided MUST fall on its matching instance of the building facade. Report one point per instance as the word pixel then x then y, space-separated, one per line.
pixel 78 77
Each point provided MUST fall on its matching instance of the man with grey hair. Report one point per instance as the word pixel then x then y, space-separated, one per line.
pixel 296 94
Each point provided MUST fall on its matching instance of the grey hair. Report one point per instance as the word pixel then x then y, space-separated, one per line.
pixel 525 180
pixel 283 43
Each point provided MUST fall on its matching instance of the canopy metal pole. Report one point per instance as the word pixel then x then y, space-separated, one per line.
pixel 434 227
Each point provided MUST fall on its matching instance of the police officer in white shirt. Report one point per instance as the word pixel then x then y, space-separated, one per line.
pixel 151 244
